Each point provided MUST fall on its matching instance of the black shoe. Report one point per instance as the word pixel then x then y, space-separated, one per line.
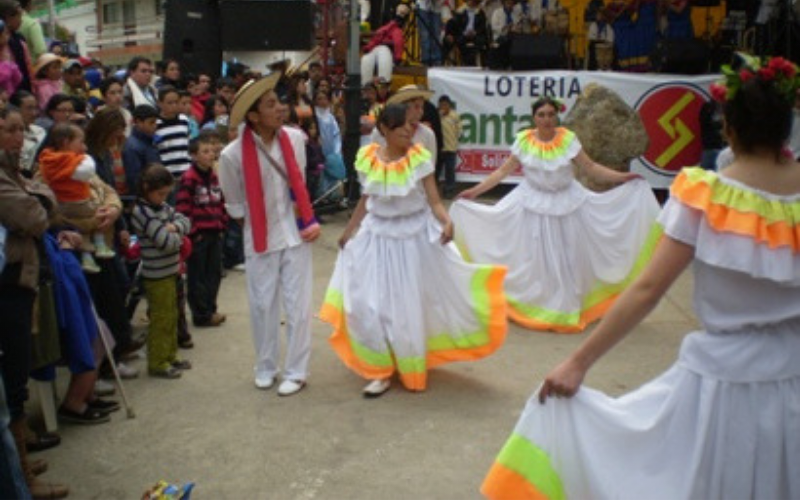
pixel 185 343
pixel 43 441
pixel 90 416
pixel 104 405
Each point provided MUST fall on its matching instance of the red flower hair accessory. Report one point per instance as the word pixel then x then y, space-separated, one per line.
pixel 782 73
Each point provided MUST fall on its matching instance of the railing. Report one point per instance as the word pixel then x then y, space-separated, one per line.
pixel 114 34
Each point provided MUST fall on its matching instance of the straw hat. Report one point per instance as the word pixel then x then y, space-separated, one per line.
pixel 249 94
pixel 408 93
pixel 43 61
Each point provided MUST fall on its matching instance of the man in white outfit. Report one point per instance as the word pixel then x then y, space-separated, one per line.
pixel 261 174
pixel 414 96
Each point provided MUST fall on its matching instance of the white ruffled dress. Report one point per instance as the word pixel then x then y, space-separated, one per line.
pixel 569 251
pixel 399 300
pixel 724 421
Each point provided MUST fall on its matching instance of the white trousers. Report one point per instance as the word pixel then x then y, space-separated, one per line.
pixel 286 273
pixel 380 56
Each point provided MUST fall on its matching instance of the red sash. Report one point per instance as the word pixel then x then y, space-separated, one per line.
pixel 254 188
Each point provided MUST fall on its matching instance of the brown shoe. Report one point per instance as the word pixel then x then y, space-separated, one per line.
pixel 38 466
pixel 39 489
pixel 47 491
pixel 216 319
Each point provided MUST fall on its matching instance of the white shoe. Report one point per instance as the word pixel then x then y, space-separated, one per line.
pixel 264 381
pixel 376 388
pixel 125 371
pixel 103 388
pixel 289 387
pixel 240 267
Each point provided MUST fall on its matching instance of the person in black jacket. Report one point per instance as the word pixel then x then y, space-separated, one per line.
pixel 467 31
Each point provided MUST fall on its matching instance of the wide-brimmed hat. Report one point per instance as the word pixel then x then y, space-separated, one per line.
pixel 409 92
pixel 249 94
pixel 43 60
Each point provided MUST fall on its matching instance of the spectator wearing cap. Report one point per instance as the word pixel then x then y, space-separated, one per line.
pixel 31 29
pixel 11 14
pixel 74 81
pixel 140 149
pixel 138 89
pixel 76 87
pixel 56 47
pixel 47 78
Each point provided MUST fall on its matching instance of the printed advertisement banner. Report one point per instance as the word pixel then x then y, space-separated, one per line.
pixel 494 106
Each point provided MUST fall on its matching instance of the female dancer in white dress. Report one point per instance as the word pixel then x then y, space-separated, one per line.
pixel 724 421
pixel 401 298
pixel 569 251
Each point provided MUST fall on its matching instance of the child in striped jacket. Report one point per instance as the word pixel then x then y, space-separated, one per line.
pixel 160 230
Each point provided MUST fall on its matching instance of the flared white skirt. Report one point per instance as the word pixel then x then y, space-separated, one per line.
pixel 722 423
pixel 400 301
pixel 569 253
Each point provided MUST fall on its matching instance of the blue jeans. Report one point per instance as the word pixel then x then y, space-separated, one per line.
pixel 429 26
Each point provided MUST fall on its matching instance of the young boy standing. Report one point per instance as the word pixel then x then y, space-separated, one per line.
pixel 185 104
pixel 200 199
pixel 172 133
pixel 139 150
pixel 451 130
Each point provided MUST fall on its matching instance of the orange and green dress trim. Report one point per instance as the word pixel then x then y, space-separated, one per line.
pixel 394 178
pixel 489 309
pixel 522 471
pixel 732 209
pixel 549 155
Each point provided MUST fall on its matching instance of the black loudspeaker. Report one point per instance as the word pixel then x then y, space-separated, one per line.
pixel 537 52
pixel 192 36
pixel 685 56
pixel 266 25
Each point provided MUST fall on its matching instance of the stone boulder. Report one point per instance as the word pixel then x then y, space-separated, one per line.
pixel 611 132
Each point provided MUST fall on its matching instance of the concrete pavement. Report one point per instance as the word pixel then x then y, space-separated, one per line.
pixel 213 427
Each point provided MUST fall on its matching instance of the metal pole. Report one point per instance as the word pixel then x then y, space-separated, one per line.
pixel 51 22
pixel 352 99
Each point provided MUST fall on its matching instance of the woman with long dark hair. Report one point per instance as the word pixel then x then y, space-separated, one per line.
pixel 724 421
pixel 569 251
pixel 103 133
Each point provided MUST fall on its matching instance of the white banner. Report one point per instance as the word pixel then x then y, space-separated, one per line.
pixel 494 106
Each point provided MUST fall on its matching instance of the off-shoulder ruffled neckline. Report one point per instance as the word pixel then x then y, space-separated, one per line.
pixel 392 178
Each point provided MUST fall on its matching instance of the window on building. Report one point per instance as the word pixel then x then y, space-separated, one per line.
pixel 119 11
pixel 112 13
